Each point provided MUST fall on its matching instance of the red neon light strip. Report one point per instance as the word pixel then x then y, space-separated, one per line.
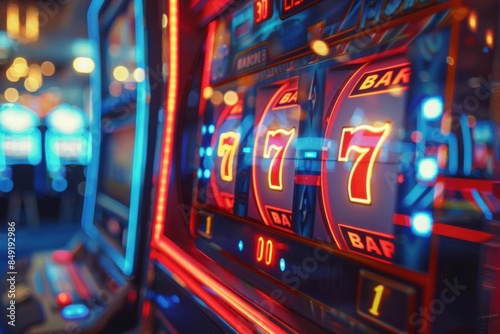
pixel 461 233
pixel 452 183
pixel 237 303
pixel 308 180
pixel 446 230
pixel 169 119
pixel 80 287
pixel 207 66
pixel 164 244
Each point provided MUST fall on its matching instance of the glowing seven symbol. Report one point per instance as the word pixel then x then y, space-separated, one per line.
pixel 228 144
pixel 366 141
pixel 278 140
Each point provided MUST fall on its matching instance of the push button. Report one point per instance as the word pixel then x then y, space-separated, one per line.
pixel 62 256
pixel 63 299
pixel 75 312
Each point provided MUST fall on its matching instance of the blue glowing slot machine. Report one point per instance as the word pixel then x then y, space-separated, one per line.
pixel 92 285
pixel 341 176
pixel 20 140
pixel 66 143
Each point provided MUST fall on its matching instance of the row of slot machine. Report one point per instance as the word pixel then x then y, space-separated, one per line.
pixel 65 142
pixel 286 166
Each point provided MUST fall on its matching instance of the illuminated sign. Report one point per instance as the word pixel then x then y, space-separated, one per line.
pixel 279 217
pixel 262 10
pixel 385 302
pixel 366 141
pixel 251 59
pixel 277 142
pixel 264 251
pixel 228 145
pixel 291 7
pixel 391 79
pixel 289 98
pixel 368 243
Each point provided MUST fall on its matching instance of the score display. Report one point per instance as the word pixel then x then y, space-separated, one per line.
pixel 262 10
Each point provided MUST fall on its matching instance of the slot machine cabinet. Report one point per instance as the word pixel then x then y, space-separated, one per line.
pixel 21 150
pixel 341 174
pixel 92 285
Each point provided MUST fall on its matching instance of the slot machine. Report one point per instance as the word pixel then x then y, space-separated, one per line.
pixel 21 143
pixel 91 286
pixel 341 173
pixel 66 143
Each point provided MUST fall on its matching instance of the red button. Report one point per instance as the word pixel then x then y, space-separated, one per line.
pixel 62 256
pixel 63 299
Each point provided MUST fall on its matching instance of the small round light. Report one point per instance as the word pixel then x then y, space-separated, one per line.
pixel 206 173
pixel 209 151
pixel 421 224
pixel 320 47
pixel 282 264
pixel 432 108
pixel 240 245
pixel 428 169
pixel 211 128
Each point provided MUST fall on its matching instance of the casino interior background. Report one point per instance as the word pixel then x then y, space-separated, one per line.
pixel 249 166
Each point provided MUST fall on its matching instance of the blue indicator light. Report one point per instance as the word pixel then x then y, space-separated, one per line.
pixel 246 150
pixel 203 129
pixel 176 299
pixel 206 173
pixel 59 184
pixel 421 224
pixel 311 155
pixel 202 151
pixel 209 151
pixel 282 264
pixel 75 312
pixel 427 169
pixel 240 245
pixel 6 185
pixel 163 301
pixel 211 128
pixel 200 173
pixel 432 108
pixel 486 50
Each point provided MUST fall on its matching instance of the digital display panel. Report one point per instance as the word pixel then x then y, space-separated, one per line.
pixel 291 7
pixel 262 10
pixel 117 161
pixel 114 193
pixel 120 53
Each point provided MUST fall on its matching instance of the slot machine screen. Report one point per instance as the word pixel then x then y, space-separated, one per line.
pixel 114 195
pixel 120 53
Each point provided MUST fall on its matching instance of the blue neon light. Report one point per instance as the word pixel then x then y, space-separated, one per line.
pixel 209 151
pixel 421 224
pixel 206 173
pixel 202 151
pixel 452 154
pixel 175 299
pixel 200 173
pixel 427 169
pixel 124 261
pixel 203 129
pixel 246 150
pixel 282 264
pixel 482 204
pixel 240 245
pixel 467 140
pixel 311 155
pixel 432 107
pixel 211 128
pixel 15 118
